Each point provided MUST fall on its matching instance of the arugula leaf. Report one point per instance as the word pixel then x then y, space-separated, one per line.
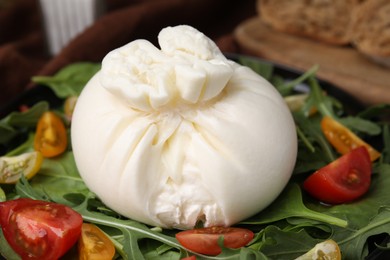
pixel 361 125
pixel 289 204
pixel 57 177
pixel 318 99
pixel 25 147
pixel 152 249
pixel 28 118
pixel 378 225
pixel 132 231
pixel 323 152
pixel 378 111
pixel 7 132
pixel 263 68
pixel 70 80
pixel 285 244
pixel 11 124
pixel 288 87
pixel 241 253
pixel 386 144
pixel 359 215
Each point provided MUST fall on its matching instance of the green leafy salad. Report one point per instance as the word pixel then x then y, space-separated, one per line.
pixel 292 225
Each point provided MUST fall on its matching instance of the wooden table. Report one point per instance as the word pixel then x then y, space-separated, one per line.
pixel 342 66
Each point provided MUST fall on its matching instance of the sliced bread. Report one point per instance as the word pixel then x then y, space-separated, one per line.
pixel 370 29
pixel 324 20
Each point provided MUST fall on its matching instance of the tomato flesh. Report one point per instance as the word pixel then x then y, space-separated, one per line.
pixel 39 229
pixel 205 240
pixel 51 137
pixel 343 139
pixel 13 167
pixel 343 180
pixel 94 244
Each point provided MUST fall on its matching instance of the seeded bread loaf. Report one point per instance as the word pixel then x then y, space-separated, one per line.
pixel 370 29
pixel 324 20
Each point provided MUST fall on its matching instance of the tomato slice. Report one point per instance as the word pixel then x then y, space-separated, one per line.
pixel 343 180
pixel 13 167
pixel 327 249
pixel 205 240
pixel 51 136
pixel 343 139
pixel 39 229
pixel 94 244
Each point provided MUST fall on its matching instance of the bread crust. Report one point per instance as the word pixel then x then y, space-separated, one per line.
pixel 370 29
pixel 324 20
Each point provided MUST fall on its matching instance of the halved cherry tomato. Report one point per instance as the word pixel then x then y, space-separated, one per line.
pixel 343 180
pixel 327 249
pixel 39 229
pixel 13 167
pixel 69 105
pixel 94 244
pixel 343 139
pixel 51 136
pixel 205 240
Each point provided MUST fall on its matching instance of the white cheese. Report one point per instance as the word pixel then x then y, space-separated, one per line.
pixel 179 134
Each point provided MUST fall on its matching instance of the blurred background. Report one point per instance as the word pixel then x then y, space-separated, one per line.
pixel 345 38
pixel 24 50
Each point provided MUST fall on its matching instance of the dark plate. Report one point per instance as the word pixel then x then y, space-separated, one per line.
pixel 351 106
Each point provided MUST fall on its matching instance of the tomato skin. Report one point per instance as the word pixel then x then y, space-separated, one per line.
pixel 343 180
pixel 205 240
pixel 51 136
pixel 13 167
pixel 94 244
pixel 38 229
pixel 343 139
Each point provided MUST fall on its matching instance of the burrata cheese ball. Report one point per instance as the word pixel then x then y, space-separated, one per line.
pixel 179 134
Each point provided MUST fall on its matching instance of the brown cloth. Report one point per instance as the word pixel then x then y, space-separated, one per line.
pixel 23 51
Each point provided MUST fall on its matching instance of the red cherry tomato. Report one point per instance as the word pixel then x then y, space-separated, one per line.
pixel 205 240
pixel 39 229
pixel 343 180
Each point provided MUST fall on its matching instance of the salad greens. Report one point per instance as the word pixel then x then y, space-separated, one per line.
pixel 288 228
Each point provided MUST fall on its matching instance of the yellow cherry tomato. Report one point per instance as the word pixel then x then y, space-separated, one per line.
pixel 69 105
pixel 13 167
pixel 297 101
pixel 51 137
pixel 327 250
pixel 343 139
pixel 94 244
